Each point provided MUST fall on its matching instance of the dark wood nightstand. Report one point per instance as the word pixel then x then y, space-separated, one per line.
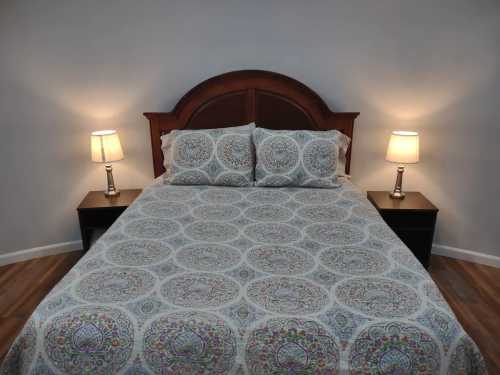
pixel 413 219
pixel 97 212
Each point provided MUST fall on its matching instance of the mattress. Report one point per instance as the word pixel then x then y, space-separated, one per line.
pixel 218 280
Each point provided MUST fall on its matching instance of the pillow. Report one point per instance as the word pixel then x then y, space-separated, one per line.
pixel 298 158
pixel 210 156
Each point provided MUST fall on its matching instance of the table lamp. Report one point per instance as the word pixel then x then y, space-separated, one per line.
pixel 403 149
pixel 105 148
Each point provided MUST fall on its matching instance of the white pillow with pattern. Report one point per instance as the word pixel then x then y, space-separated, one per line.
pixel 298 157
pixel 222 156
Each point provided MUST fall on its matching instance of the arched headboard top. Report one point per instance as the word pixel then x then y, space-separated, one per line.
pixel 269 99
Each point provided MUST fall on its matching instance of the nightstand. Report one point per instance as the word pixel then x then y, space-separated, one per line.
pixel 97 212
pixel 413 219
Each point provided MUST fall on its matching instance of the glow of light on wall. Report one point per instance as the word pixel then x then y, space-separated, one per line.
pixel 86 96
pixel 102 106
pixel 407 104
pixel 408 93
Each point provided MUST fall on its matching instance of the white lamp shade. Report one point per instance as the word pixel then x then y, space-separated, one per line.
pixel 403 147
pixel 105 146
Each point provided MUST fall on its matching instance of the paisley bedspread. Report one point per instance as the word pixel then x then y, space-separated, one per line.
pixel 217 280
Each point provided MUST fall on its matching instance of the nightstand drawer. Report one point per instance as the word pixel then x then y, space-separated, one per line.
pixel 99 218
pixel 401 219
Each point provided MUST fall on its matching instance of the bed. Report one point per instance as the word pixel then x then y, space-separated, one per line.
pixel 227 280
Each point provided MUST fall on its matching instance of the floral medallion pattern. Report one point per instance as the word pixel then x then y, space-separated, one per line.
pixel 432 293
pixel 189 343
pixel 244 274
pixel 322 213
pixel 221 196
pixel 282 260
pixel 147 307
pixel 192 149
pixel 199 290
pixel 208 257
pixel 466 358
pixel 245 280
pixel 316 196
pixel 138 252
pixel 299 158
pixel 175 194
pixel 365 212
pixel 243 314
pixel 209 157
pixel 354 261
pixel 268 212
pixel 267 196
pixel 383 232
pixel 343 323
pixel 440 323
pixel 211 231
pixel 291 346
pixel 324 277
pixel 96 340
pixel 272 233
pixel 218 212
pixel 320 156
pixel 151 228
pixel 234 151
pixel 406 259
pixel 22 352
pixel 338 234
pixel 394 348
pixel 287 295
pixel 278 155
pixel 378 297
pixel 114 285
pixel 163 210
pixel 57 303
pixel 166 269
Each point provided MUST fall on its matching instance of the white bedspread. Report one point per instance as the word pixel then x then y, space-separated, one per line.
pixel 214 280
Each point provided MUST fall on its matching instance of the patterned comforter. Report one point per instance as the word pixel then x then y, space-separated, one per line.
pixel 214 280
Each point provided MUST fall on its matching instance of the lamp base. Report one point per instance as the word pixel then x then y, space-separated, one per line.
pixel 111 191
pixel 398 193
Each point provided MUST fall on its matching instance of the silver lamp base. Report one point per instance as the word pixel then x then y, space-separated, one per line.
pixel 111 191
pixel 398 193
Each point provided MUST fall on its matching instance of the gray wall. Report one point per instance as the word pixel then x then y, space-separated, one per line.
pixel 68 67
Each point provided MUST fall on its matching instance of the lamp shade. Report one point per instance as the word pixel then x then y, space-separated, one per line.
pixel 105 146
pixel 403 147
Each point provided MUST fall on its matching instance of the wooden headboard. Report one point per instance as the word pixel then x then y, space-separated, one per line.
pixel 271 100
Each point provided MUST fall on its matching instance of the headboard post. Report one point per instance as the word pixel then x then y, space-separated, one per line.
pixel 269 99
pixel 159 124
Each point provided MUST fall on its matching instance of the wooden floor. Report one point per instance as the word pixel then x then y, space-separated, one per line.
pixel 472 290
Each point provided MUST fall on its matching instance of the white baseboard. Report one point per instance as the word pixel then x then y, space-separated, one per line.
pixel 37 252
pixel 467 255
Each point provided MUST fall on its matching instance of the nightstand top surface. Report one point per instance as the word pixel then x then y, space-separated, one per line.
pixel 97 199
pixel 412 201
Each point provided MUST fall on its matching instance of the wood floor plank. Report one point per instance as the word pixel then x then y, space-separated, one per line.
pixel 472 290
pixel 9 329
pixel 468 289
